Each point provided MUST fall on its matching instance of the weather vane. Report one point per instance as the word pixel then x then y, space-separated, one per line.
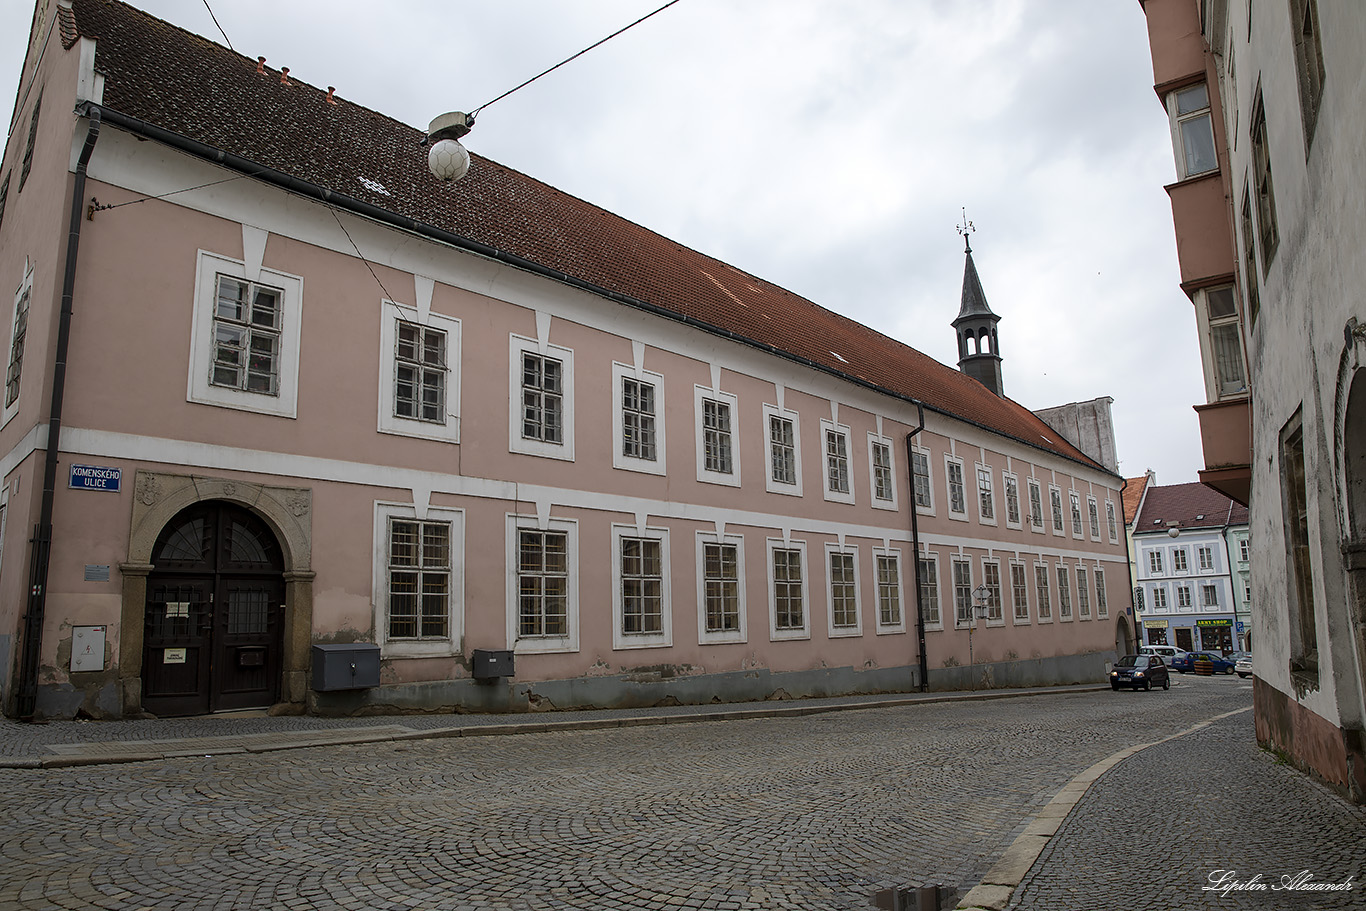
pixel 965 229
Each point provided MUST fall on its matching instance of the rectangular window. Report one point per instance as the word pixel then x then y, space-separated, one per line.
pixel 642 585
pixel 1155 561
pixel 882 471
pixel 1055 500
pixel 1192 131
pixel 4 195
pixel 716 440
pixel 1206 559
pixel 1102 606
pixel 1083 594
pixel 1251 283
pixel 16 348
pixel 542 398
pixel 1244 549
pixel 962 592
pixel 921 461
pixel 247 323
pixel 1159 599
pixel 782 442
pixel 1064 594
pixel 991 578
pixel 843 592
pixel 1183 597
pixel 543 583
pixel 788 590
pixel 1074 500
pixel 1018 592
pixel 1269 237
pixel 638 420
pixel 1012 500
pixel 1308 61
pixel 888 590
pixel 1225 343
pixel 721 585
pixel 836 461
pixel 1110 520
pixel 419 579
pixel 986 497
pixel 1035 505
pixel 1093 513
pixel 1179 560
pixel 958 503
pixel 1041 593
pixel 420 373
pixel 927 568
pixel 32 138
pixel 1209 596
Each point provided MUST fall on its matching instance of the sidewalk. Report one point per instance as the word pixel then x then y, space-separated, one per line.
pixel 80 743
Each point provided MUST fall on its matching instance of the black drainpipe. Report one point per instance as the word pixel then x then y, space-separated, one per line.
pixel 915 552
pixel 41 542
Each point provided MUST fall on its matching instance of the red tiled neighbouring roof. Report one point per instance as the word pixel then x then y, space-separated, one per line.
pixel 1133 495
pixel 1190 506
pixel 186 84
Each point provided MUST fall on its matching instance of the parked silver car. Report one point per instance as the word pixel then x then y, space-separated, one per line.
pixel 1242 666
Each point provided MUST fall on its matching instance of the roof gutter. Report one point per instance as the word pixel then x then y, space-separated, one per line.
pixel 359 207
pixel 41 542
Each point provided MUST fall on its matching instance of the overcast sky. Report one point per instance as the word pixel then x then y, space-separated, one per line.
pixel 826 146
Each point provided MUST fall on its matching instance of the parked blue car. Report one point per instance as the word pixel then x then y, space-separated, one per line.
pixel 1186 662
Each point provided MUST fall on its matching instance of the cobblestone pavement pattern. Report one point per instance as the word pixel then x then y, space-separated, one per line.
pixel 1156 827
pixel 809 812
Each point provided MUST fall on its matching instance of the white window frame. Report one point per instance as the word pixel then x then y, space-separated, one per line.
pixel 770 484
pixel 1016 602
pixel 706 476
pixel 842 632
pixel 934 604
pixel 879 502
pixel 1037 519
pixel 1083 579
pixel 620 374
pixel 1043 594
pixel 1093 517
pixel 417 648
pixel 448 430
pixel 284 404
pixel 894 555
pixel 1206 601
pixel 1011 481
pixel 1159 598
pixel 804 631
pixel 542 644
pixel 1064 579
pixel 1244 550
pixel 1102 601
pixel 959 621
pixel 1056 516
pixel 950 460
pixel 718 637
pixel 1155 562
pixel 1178 120
pixel 519 345
pixel 829 427
pixel 1204 554
pixel 1074 507
pixel 989 494
pixel 1180 560
pixel 25 290
pixel 1183 598
pixel 622 640
pixel 927 510
pixel 1111 522
pixel 996 611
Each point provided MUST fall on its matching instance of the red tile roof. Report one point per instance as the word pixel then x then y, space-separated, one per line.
pixel 1133 495
pixel 185 84
pixel 1188 505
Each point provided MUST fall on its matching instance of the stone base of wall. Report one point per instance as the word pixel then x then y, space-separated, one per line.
pixel 638 691
pixel 1315 745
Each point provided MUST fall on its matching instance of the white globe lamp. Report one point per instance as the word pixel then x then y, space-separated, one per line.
pixel 447 158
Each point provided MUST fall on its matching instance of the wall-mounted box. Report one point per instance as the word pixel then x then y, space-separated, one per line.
pixel 351 666
pixel 490 663
pixel 87 648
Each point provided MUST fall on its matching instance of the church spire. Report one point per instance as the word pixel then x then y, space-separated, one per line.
pixel 978 353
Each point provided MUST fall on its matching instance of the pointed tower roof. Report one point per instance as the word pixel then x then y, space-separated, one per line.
pixel 974 298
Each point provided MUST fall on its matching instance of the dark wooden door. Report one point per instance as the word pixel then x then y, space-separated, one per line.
pixel 215 614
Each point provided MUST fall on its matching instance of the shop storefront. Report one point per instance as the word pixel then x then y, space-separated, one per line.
pixel 1216 635
pixel 1156 631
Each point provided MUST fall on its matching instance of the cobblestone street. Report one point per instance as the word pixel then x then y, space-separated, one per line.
pixel 815 812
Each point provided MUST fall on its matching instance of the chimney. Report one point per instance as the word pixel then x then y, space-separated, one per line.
pixel 284 75
pixel 330 90
pixel 260 64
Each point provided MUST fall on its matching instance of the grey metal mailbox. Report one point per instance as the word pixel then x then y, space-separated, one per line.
pixel 351 666
pixel 489 663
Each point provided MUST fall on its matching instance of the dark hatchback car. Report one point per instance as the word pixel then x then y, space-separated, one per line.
pixel 1140 671
pixel 1218 663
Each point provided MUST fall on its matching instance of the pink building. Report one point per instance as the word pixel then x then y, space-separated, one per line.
pixel 522 429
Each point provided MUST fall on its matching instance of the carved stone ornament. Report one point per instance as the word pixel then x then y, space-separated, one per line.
pixel 149 489
pixel 230 490
pixel 298 503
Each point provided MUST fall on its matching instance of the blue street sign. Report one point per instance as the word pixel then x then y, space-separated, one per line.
pixel 1240 626
pixel 95 477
